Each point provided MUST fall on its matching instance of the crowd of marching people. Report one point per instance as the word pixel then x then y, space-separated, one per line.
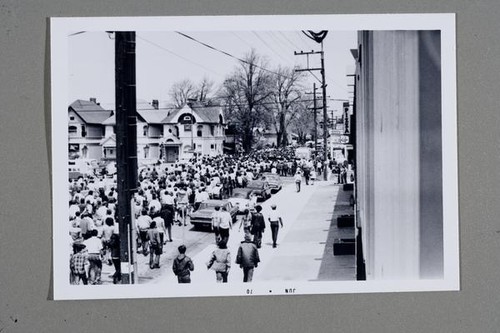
pixel 166 194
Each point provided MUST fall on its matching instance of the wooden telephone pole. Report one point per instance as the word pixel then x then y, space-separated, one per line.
pixel 126 148
pixel 323 86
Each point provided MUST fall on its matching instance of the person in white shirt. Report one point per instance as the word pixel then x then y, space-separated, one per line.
pixel 275 221
pixel 225 224
pixel 216 217
pixel 94 248
pixel 154 205
pixel 298 180
pixel 143 223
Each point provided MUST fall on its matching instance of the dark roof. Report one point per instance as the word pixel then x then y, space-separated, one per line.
pixel 90 112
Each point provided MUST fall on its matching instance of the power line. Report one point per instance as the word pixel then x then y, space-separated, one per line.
pixel 279 41
pixel 268 46
pixel 291 43
pixel 173 108
pixel 177 55
pixel 230 55
pixel 284 48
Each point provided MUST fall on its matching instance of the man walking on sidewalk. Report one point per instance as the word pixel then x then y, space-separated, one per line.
pixel 298 180
pixel 258 226
pixel 155 246
pixel 275 221
pixel 248 258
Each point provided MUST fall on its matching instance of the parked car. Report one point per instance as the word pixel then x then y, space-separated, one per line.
pixel 260 188
pixel 241 200
pixel 203 216
pixel 87 167
pixel 74 172
pixel 274 180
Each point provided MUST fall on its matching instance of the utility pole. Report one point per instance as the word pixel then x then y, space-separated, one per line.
pixel 315 121
pixel 126 149
pixel 323 86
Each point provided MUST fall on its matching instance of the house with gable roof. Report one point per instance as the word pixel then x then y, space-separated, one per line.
pixel 194 129
pixel 164 134
pixel 85 129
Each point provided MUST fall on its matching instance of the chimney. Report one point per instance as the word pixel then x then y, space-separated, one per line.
pixel 155 104
pixel 93 99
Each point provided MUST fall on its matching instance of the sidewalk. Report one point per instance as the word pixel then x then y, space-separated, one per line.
pixel 305 244
pixel 306 252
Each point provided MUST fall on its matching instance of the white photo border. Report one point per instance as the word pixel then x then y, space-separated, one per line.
pixel 61 27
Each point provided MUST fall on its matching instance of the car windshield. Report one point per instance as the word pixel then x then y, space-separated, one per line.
pixel 256 184
pixel 206 205
pixel 239 195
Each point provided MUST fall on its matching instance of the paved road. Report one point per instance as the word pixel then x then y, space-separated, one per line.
pixel 304 251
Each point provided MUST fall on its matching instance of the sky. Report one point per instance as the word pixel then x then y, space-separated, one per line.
pixel 164 58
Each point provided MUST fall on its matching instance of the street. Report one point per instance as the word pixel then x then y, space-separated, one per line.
pixel 305 243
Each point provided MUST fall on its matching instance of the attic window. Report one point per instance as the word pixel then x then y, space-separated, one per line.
pixel 187 118
pixel 72 118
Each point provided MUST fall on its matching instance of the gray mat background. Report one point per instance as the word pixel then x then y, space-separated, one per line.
pixel 25 204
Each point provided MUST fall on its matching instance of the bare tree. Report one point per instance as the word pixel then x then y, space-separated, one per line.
pixel 181 92
pixel 302 123
pixel 204 90
pixel 244 93
pixel 286 95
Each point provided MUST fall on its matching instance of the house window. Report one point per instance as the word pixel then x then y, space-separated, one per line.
pixel 176 128
pixel 212 130
pixel 72 118
pixel 145 130
pixel 85 151
pixel 72 130
pixel 199 132
pixel 84 133
pixel 146 151
pixel 187 128
pixel 212 146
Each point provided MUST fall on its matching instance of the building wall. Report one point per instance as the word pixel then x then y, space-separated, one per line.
pixel 397 135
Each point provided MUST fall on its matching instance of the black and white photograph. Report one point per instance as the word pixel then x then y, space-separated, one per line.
pixel 253 155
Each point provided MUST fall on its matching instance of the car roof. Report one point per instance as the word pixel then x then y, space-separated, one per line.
pixel 215 202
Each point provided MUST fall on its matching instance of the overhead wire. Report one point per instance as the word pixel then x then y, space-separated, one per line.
pixel 288 40
pixel 269 46
pixel 177 55
pixel 229 54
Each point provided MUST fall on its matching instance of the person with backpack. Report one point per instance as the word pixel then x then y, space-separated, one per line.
pixel 220 262
pixel 183 266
